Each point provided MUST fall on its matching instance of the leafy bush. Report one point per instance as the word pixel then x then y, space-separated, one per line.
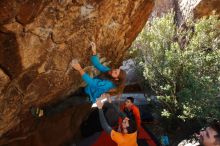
pixel 182 65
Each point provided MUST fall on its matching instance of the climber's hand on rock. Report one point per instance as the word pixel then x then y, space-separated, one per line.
pixel 93 45
pixel 77 66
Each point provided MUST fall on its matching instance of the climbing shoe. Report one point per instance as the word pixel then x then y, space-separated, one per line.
pixel 37 112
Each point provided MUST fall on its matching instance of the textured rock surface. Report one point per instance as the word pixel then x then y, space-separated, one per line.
pixel 4 80
pixel 182 8
pixel 38 39
pixel 186 8
pixel 161 7
pixel 50 131
pixel 206 7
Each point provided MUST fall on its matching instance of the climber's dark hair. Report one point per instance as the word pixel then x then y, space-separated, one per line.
pixel 120 83
pixel 132 126
pixel 131 99
pixel 215 125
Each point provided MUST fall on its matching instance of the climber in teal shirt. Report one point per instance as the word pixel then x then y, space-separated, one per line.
pixel 109 81
pixel 96 86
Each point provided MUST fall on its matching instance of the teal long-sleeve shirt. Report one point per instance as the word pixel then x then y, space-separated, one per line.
pixel 95 86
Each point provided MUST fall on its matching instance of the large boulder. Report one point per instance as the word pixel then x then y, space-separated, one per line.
pixel 38 40
pixel 161 7
pixel 206 7
pixel 186 8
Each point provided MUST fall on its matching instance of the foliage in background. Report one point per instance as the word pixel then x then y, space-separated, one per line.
pixel 182 65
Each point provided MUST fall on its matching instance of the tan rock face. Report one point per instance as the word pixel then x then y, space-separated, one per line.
pixel 38 39
pixel 161 7
pixel 4 80
pixel 182 8
pixel 56 130
pixel 206 7
pixel 186 8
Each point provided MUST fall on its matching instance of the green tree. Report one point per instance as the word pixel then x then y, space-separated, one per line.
pixel 182 65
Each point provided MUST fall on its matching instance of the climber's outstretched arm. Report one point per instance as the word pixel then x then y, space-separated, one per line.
pixel 90 81
pixel 78 67
pixel 95 60
pixel 102 119
pixel 121 114
pixel 104 123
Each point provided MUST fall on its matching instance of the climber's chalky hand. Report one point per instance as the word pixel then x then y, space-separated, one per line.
pixel 99 104
pixel 93 45
pixel 77 66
